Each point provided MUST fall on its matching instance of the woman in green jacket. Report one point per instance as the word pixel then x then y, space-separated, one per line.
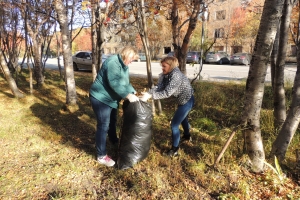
pixel 110 86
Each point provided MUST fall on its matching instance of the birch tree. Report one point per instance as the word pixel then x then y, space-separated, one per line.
pixel 192 12
pixel 102 12
pixel 71 96
pixel 38 24
pixel 11 34
pixel 291 122
pixel 272 12
pixel 10 44
pixel 278 87
pixel 11 82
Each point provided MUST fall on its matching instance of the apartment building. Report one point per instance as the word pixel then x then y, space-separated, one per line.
pixel 225 27
pixel 226 19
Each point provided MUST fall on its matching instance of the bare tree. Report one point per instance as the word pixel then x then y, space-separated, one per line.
pixel 255 82
pixel 10 80
pixel 39 23
pixel 101 13
pixel 10 43
pixel 181 46
pixel 71 96
pixel 11 34
pixel 278 87
pixel 291 123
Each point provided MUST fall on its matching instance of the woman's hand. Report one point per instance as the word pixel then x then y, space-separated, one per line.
pixel 132 98
pixel 146 96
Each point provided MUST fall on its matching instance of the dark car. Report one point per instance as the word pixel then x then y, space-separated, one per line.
pixel 83 60
pixel 217 57
pixel 142 57
pixel 193 57
pixel 240 58
pixel 171 53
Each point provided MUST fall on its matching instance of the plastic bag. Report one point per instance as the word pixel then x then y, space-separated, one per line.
pixel 136 133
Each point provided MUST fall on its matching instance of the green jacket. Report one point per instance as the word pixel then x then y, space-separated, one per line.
pixel 112 82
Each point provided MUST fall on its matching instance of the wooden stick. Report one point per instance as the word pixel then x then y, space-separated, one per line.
pixel 225 147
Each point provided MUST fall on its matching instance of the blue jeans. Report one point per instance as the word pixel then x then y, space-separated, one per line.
pixel 181 117
pixel 106 124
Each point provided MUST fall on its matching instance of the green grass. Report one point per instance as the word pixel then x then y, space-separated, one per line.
pixel 48 152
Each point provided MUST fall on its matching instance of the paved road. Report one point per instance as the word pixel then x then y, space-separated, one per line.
pixel 209 71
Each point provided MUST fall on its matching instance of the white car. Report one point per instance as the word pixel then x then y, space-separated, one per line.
pixel 83 60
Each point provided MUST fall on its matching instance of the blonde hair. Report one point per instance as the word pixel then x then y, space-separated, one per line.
pixel 171 61
pixel 127 51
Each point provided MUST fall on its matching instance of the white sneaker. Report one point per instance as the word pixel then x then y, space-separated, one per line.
pixel 106 160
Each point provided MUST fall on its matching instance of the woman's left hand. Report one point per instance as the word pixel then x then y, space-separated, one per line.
pixel 145 96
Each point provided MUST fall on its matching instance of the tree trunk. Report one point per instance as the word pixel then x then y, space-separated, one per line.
pixel 30 75
pixel 143 32
pixel 71 96
pixel 175 31
pixel 181 48
pixel 291 123
pixel 37 68
pixel 144 36
pixel 11 82
pixel 28 54
pixel 279 91
pixel 95 12
pixel 255 82
pixel 274 57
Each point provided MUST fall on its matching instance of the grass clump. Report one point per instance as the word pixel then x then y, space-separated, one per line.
pixel 48 151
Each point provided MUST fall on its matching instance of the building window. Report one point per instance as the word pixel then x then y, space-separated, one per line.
pixel 219 33
pixel 221 15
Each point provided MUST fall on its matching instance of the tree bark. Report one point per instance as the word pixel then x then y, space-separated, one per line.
pixel 274 57
pixel 37 57
pixel 291 123
pixel 95 17
pixel 181 48
pixel 143 32
pixel 279 91
pixel 71 96
pixel 255 82
pixel 11 82
pixel 37 29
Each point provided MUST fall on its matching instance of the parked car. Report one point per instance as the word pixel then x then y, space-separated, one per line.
pixel 83 60
pixel 105 56
pixel 193 57
pixel 217 57
pixel 240 58
pixel 171 53
pixel 142 57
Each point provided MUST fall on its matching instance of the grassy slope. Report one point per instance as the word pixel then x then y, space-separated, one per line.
pixel 48 152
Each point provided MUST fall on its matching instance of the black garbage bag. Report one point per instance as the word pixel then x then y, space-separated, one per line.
pixel 136 133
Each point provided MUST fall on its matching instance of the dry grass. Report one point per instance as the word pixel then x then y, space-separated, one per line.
pixel 49 153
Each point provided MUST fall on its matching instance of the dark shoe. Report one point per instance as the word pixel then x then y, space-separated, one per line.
pixel 186 138
pixel 173 152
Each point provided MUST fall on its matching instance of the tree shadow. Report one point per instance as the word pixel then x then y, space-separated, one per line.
pixel 74 128
pixel 7 94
